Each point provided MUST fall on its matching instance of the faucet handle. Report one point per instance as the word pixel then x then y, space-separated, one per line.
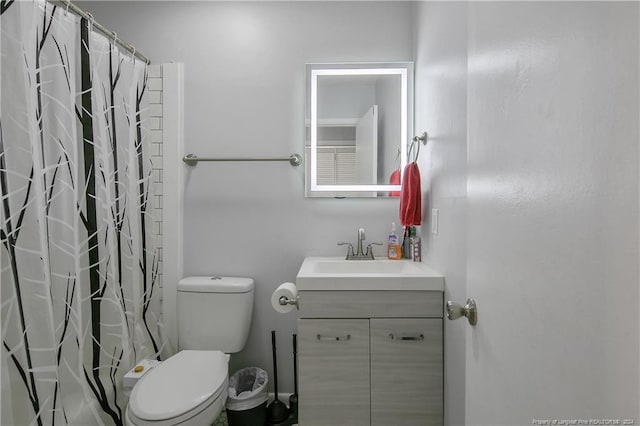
pixel 350 252
pixel 370 249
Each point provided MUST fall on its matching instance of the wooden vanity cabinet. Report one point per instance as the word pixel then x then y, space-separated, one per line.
pixel 370 364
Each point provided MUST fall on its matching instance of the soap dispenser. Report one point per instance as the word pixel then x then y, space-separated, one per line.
pixel 393 248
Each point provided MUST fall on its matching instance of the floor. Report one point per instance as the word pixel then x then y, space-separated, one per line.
pixel 221 420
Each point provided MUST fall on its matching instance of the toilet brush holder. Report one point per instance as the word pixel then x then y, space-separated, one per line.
pixel 277 411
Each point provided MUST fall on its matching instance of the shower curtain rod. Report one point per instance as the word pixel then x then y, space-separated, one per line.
pixel 111 34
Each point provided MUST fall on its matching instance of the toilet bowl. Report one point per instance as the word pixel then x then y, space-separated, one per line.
pixel 190 388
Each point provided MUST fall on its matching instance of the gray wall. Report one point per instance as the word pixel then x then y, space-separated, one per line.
pixel 244 95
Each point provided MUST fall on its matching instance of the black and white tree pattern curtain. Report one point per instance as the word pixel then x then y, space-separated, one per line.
pixel 80 298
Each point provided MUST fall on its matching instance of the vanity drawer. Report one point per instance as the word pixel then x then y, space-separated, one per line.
pixel 370 304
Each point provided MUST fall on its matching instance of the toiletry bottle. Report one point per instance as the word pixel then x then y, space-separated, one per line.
pixel 406 244
pixel 393 248
pixel 416 247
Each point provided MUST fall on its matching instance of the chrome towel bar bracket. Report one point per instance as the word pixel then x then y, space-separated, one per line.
pixel 192 159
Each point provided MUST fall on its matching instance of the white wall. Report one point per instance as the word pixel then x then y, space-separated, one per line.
pixel 244 95
pixel 441 109
pixel 552 211
pixel 539 208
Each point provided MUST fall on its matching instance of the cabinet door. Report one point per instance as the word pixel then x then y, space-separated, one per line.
pixel 334 372
pixel 406 372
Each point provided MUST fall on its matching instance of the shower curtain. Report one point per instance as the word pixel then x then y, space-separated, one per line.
pixel 80 296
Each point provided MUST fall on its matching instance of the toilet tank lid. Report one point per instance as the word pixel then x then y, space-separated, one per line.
pixel 216 284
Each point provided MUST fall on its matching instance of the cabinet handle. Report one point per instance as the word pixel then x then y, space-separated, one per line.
pixel 338 338
pixel 406 336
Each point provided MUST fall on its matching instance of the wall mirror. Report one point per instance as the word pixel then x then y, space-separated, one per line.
pixel 358 120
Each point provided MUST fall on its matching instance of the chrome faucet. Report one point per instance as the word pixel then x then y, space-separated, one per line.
pixel 361 238
pixel 360 254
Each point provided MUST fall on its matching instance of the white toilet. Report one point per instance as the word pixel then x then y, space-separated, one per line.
pixel 190 388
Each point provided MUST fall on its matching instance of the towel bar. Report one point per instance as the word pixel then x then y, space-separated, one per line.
pixel 192 159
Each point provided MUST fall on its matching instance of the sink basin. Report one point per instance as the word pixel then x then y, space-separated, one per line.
pixel 335 273
pixel 363 267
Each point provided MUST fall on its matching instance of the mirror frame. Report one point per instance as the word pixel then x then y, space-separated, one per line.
pixel 404 70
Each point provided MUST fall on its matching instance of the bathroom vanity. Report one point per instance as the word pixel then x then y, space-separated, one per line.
pixel 370 347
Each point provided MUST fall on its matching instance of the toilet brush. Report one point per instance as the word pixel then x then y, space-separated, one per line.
pixel 293 399
pixel 277 411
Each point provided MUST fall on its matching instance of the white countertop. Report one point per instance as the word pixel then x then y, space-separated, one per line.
pixel 336 273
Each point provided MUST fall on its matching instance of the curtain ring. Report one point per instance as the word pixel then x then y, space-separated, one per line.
pixel 66 10
pixel 92 21
pixel 133 53
pixel 115 37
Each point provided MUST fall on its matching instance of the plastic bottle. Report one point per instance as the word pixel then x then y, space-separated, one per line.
pixel 393 248
pixel 416 247
pixel 406 244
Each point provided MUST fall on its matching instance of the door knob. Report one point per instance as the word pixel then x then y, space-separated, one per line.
pixel 455 311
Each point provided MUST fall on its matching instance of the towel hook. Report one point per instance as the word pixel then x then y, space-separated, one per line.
pixel 415 142
pixel 411 148
pixel 422 138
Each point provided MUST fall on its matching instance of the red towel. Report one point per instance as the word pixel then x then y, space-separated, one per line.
pixel 394 179
pixel 411 196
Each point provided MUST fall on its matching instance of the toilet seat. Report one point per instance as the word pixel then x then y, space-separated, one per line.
pixel 180 388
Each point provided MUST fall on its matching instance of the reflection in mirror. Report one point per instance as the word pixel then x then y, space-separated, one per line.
pixel 357 125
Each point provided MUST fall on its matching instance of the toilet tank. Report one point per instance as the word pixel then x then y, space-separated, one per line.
pixel 214 313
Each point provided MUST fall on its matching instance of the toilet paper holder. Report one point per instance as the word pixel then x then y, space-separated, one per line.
pixel 284 300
